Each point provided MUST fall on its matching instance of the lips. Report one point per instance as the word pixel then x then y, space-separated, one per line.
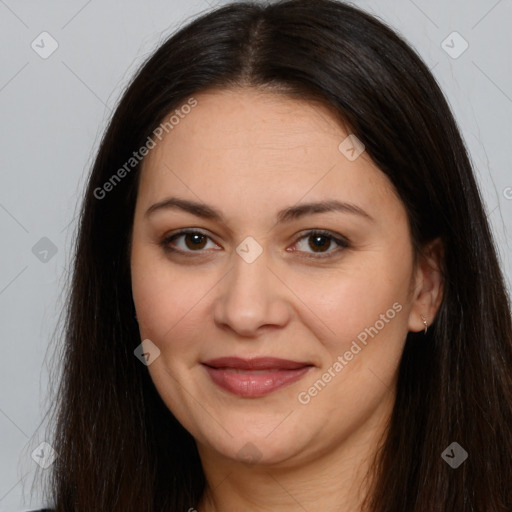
pixel 259 363
pixel 254 377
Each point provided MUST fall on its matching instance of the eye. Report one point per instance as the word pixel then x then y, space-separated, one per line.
pixel 189 241
pixel 320 241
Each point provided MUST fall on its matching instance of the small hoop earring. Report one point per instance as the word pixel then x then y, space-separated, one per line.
pixel 424 323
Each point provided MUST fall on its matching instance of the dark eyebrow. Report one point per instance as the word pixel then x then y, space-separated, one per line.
pixel 286 215
pixel 295 212
pixel 198 209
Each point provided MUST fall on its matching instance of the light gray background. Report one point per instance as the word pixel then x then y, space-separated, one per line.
pixel 54 110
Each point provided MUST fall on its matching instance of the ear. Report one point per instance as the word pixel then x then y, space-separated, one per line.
pixel 427 286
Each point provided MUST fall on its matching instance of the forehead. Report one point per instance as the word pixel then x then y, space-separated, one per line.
pixel 250 148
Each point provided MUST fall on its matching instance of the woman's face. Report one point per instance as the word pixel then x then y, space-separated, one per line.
pixel 253 177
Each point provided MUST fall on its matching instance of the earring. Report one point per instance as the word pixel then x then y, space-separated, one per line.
pixel 424 323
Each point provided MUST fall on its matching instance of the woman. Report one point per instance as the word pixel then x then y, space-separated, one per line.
pixel 285 293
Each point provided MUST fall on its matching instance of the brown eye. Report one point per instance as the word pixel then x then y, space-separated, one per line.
pixel 195 240
pixel 187 242
pixel 319 242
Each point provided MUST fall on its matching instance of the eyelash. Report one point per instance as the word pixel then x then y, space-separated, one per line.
pixel 340 241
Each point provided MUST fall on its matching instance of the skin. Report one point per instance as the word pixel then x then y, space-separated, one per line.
pixel 250 154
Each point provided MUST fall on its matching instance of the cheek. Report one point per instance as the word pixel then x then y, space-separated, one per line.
pixel 358 293
pixel 367 308
pixel 365 298
pixel 172 304
pixel 161 297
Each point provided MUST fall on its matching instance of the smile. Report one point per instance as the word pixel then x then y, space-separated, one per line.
pixel 254 377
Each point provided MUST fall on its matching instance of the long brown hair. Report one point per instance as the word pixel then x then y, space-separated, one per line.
pixel 119 448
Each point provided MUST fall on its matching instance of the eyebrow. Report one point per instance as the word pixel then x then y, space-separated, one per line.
pixel 287 215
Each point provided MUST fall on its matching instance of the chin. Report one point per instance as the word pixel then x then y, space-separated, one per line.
pixel 254 449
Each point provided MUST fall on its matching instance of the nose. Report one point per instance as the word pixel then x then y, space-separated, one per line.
pixel 251 297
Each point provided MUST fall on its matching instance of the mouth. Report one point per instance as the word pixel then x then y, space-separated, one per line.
pixel 254 377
